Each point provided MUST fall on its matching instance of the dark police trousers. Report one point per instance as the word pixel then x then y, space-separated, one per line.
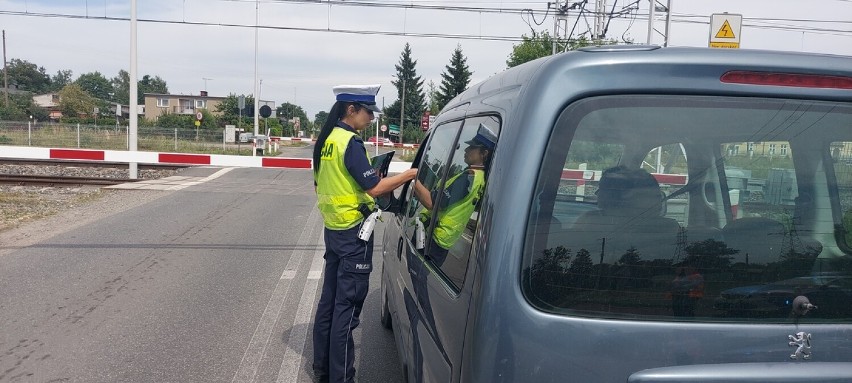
pixel 348 262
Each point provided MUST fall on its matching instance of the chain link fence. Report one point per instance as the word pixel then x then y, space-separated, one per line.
pixel 102 137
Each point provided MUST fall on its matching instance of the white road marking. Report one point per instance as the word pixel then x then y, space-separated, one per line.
pixel 294 358
pixel 256 349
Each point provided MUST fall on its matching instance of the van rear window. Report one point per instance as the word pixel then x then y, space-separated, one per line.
pixel 694 208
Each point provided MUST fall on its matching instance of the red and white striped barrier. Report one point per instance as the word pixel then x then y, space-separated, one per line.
pixel 303 139
pixel 35 153
pixel 582 176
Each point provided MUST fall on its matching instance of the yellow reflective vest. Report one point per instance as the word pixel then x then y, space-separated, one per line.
pixel 338 195
pixel 453 219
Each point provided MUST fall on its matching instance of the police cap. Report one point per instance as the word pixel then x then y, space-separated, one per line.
pixel 361 94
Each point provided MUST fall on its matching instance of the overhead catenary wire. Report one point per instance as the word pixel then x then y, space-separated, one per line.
pixel 630 11
pixel 272 27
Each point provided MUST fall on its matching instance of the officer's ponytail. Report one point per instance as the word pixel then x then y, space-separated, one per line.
pixel 334 115
pixel 337 112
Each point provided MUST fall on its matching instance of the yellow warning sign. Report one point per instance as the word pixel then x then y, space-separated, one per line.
pixel 724 45
pixel 725 32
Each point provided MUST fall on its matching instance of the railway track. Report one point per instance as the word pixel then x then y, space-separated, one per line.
pixel 38 180
pixel 88 164
pixel 25 172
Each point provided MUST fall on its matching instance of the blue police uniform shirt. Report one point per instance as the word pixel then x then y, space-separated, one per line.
pixel 356 161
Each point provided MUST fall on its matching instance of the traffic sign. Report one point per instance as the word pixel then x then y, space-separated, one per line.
pixel 725 30
pixel 199 116
pixel 265 111
pixel 384 128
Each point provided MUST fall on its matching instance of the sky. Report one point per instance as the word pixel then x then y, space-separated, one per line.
pixel 305 47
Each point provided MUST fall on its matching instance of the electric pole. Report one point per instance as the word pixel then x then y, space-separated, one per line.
pixel 5 72
pixel 600 19
pixel 653 10
pixel 401 111
pixel 560 24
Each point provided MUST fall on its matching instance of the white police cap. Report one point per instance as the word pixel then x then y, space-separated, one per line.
pixel 485 137
pixel 362 94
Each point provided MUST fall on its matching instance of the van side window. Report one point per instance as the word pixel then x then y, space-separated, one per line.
pixel 687 208
pixel 449 210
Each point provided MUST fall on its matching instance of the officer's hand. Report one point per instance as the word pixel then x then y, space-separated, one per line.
pixel 410 174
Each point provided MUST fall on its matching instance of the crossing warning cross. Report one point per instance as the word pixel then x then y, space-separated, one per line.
pixel 725 30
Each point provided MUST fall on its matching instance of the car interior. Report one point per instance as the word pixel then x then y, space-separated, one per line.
pixel 719 199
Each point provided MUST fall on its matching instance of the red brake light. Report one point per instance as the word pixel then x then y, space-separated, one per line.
pixel 787 79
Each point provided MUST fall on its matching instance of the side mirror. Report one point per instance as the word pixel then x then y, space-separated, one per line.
pixel 389 203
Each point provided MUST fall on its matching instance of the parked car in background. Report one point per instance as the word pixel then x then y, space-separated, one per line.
pixel 384 141
pixel 673 215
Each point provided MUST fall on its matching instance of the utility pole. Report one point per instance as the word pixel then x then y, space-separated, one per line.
pixel 560 24
pixel 652 18
pixel 600 19
pixel 401 112
pixel 132 129
pixel 256 84
pixel 5 72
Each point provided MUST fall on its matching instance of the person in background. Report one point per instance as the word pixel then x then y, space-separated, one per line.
pixel 345 184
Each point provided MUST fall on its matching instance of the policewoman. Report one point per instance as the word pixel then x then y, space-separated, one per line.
pixel 345 184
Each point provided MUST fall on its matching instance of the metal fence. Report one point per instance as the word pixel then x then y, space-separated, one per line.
pixel 115 137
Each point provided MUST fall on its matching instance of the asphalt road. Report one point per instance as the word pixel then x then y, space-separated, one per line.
pixel 213 283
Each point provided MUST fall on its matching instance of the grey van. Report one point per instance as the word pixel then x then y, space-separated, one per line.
pixel 631 214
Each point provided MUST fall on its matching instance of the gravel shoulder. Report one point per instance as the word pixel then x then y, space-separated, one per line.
pixel 29 214
pixel 69 212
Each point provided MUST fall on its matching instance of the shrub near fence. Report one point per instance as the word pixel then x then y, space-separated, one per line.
pixel 100 137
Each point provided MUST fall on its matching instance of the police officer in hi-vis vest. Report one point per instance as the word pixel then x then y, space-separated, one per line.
pixel 345 185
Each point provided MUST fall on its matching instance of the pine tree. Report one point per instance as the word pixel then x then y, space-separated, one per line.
pixel 455 79
pixel 415 98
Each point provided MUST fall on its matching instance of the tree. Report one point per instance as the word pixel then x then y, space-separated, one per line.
pixel 540 44
pixel 319 119
pixel 28 76
pixel 121 87
pixel 21 107
pixel 455 79
pixel 432 93
pixel 96 85
pixel 286 112
pixel 229 107
pixel 409 83
pixel 74 101
pixel 150 84
pixel 580 270
pixel 60 79
pixel 709 254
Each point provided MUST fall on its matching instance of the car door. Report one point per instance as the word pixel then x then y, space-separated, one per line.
pixel 439 221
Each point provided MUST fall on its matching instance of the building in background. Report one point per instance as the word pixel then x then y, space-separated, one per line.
pixel 157 104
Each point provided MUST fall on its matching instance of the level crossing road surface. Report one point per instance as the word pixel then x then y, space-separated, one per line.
pixel 216 282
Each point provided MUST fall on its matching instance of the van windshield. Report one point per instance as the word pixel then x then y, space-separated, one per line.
pixel 694 208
